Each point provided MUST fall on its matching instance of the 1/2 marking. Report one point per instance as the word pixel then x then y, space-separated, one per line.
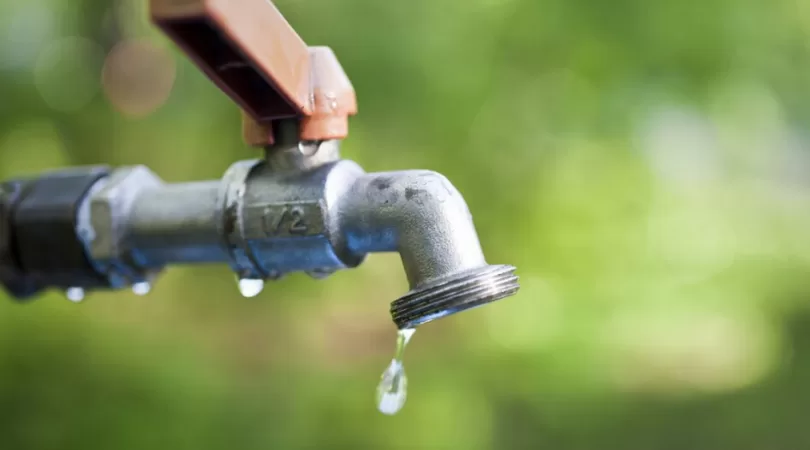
pixel 291 216
pixel 280 220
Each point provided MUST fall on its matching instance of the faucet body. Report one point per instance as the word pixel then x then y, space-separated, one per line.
pixel 265 218
pixel 266 223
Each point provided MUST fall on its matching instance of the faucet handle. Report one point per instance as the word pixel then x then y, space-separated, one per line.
pixel 251 53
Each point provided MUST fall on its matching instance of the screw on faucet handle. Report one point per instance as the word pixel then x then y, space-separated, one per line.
pixel 251 53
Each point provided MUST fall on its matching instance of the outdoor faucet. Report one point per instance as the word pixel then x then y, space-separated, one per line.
pixel 299 208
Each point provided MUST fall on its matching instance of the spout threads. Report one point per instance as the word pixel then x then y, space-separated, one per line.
pixel 451 295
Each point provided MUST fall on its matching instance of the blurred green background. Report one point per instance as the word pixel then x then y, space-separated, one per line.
pixel 645 164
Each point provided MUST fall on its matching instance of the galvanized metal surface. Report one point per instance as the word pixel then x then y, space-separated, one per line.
pixel 301 209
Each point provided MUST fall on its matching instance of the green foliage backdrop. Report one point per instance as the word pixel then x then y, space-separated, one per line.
pixel 645 164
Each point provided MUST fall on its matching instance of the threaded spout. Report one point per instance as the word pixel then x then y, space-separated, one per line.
pixel 454 294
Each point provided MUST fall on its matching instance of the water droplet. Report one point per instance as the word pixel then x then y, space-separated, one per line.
pixel 393 388
pixel 320 274
pixel 75 294
pixel 250 287
pixel 141 288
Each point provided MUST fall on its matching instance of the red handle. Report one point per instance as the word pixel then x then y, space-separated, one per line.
pixel 251 52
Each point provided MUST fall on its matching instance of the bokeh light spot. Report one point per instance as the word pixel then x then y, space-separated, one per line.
pixel 690 350
pixel 66 73
pixel 138 77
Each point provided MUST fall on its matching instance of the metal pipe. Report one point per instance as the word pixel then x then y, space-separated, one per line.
pixel 176 223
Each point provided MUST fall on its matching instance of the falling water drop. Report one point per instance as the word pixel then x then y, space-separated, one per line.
pixel 393 388
pixel 141 288
pixel 250 287
pixel 74 294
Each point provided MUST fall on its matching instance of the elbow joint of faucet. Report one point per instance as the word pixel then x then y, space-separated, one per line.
pixel 421 215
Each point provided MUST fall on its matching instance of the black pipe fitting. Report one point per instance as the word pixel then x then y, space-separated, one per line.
pixel 39 245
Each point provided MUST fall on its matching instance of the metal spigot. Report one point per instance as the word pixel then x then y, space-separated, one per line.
pixel 300 208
